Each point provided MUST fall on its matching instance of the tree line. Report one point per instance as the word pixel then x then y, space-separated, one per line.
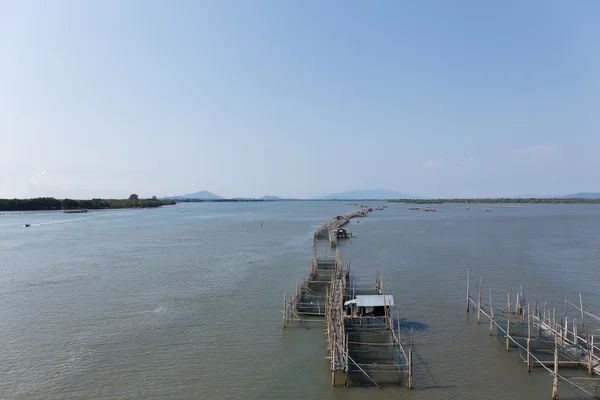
pixel 499 201
pixel 52 204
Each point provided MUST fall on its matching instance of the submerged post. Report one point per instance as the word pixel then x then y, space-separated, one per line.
pixel 555 380
pixel 467 290
pixel 479 301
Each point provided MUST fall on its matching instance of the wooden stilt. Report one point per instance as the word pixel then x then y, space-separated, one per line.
pixel 410 366
pixel 479 301
pixel 581 307
pixel 555 380
pixel 528 339
pixel 284 322
pixel 491 314
pixel 575 340
pixel 591 352
pixel 508 323
pixel 467 290
pixel 398 327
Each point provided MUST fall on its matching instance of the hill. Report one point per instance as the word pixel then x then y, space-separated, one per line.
pixel 582 195
pixel 201 195
pixel 271 198
pixel 373 194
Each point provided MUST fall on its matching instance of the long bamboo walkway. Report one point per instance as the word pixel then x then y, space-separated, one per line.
pixel 359 347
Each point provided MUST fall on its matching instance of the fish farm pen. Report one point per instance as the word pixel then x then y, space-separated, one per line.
pixel 544 340
pixel 363 337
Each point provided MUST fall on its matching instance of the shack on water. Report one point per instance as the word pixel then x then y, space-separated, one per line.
pixel 343 234
pixel 369 305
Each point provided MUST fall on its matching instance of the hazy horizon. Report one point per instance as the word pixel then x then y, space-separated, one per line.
pixel 445 100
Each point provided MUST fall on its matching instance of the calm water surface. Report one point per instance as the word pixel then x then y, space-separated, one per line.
pixel 185 301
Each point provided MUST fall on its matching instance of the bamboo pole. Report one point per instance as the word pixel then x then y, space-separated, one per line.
pixel 398 327
pixel 565 307
pixel 555 380
pixel 347 355
pixel 591 367
pixel 581 308
pixel 528 339
pixel 283 322
pixel 467 290
pixel 479 301
pixel 508 323
pixel 491 313
pixel 589 353
pixel 410 362
pixel 575 332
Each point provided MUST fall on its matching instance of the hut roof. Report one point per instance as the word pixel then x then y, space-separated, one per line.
pixel 376 300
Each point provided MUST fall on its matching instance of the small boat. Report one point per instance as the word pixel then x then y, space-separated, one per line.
pixel 27 225
pixel 77 211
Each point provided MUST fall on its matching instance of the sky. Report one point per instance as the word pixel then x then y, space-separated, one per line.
pixel 298 98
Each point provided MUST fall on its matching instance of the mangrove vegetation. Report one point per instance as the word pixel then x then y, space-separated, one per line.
pixel 52 204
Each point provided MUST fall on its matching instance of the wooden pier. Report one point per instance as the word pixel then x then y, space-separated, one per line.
pixel 363 338
pixel 543 341
pixel 330 228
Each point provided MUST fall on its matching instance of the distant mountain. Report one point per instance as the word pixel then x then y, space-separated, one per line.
pixel 374 194
pixel 202 195
pixel 582 195
pixel 272 198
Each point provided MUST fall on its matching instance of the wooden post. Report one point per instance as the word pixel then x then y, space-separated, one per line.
pixel 565 307
pixel 319 306
pixel 410 353
pixel 508 323
pixel 467 290
pixel 347 383
pixel 528 339
pixel 575 332
pixel 491 314
pixel 479 301
pixel 398 328
pixel 581 307
pixel 555 380
pixel 589 353
pixel 283 322
pixel 333 361
pixel 591 369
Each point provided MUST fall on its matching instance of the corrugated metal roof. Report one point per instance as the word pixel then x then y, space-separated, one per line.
pixel 375 300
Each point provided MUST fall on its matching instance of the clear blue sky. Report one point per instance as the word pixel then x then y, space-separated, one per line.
pixel 298 98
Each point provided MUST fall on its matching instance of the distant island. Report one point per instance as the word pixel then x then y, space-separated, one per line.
pixel 553 200
pixel 207 196
pixel 52 204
